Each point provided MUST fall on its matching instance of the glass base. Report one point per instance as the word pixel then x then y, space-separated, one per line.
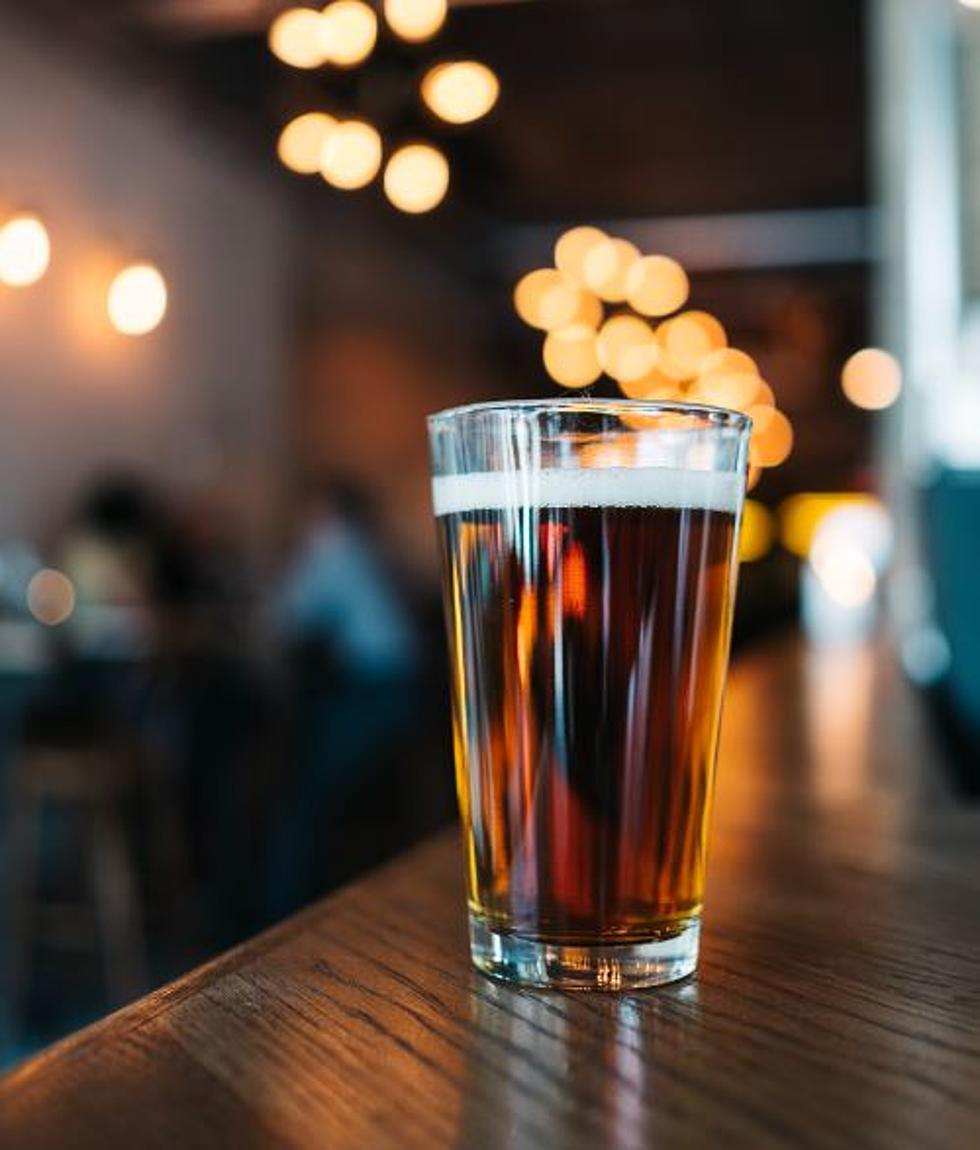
pixel 619 966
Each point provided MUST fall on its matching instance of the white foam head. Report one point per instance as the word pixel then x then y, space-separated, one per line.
pixel 669 487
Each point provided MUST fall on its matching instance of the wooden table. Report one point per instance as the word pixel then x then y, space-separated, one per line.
pixel 838 1002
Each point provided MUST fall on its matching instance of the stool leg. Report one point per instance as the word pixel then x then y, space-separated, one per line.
pixel 117 906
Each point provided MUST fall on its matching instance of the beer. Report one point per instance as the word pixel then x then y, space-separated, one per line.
pixel 589 613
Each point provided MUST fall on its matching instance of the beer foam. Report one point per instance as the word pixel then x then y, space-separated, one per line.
pixel 669 487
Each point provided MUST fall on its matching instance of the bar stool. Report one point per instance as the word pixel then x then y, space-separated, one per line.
pixel 89 774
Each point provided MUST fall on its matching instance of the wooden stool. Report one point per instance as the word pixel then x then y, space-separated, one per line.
pixel 91 780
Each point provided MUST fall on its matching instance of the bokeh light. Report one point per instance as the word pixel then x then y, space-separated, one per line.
pixel 690 338
pixel 606 266
pixel 729 360
pixel 872 379
pixel 301 142
pixel 351 155
pixel 758 531
pixel 772 436
pixel 753 477
pixel 654 386
pixel 50 597
pixel 626 348
pixel 415 20
pixel 546 299
pixel 25 251
pixel 461 91
pixel 572 248
pixel 801 515
pixel 137 299
pixel 656 286
pixel 845 571
pixel 736 390
pixel 348 31
pixel 294 38
pixel 416 178
pixel 571 356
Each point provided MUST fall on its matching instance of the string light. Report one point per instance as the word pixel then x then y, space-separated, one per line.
pixel 351 155
pixel 572 249
pixel 347 33
pixel 546 299
pixel 872 379
pixel 656 286
pixel 301 141
pixel 294 38
pixel 137 299
pixel 772 437
pixel 416 178
pixel 684 359
pixel 460 92
pixel 606 266
pixel 415 20
pixel 25 251
pixel 690 338
pixel 626 348
pixel 571 357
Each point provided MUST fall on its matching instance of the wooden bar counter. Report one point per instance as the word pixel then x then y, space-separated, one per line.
pixel 837 1004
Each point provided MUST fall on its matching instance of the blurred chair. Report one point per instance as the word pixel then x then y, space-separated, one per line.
pixel 68 758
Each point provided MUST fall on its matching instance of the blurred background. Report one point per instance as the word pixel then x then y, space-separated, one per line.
pixel 223 320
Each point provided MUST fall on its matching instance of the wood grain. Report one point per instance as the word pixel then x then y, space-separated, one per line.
pixel 838 1002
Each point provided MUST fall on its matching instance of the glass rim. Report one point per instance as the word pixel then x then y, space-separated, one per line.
pixel 717 417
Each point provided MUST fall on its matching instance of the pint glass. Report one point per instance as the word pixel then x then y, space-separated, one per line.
pixel 589 562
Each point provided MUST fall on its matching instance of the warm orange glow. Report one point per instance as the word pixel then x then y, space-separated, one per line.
pixel 415 20
pixel 606 266
pixel 546 299
pixel 351 155
pixel 735 390
pixel 294 38
pixel 652 386
pixel 690 338
pixel 570 356
pixel 764 396
pixel 50 597
pixel 626 348
pixel 416 178
pixel 753 477
pixel 25 251
pixel 348 32
pixel 527 632
pixel 772 436
pixel 872 379
pixel 589 309
pixel 137 299
pixel 460 92
pixel 574 582
pixel 656 286
pixel 758 531
pixel 729 360
pixel 845 571
pixel 573 247
pixel 301 142
pixel 800 515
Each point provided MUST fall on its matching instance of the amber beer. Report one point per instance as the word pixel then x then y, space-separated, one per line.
pixel 589 613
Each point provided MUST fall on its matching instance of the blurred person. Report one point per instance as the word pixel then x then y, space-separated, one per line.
pixel 128 564
pixel 339 598
pixel 356 669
